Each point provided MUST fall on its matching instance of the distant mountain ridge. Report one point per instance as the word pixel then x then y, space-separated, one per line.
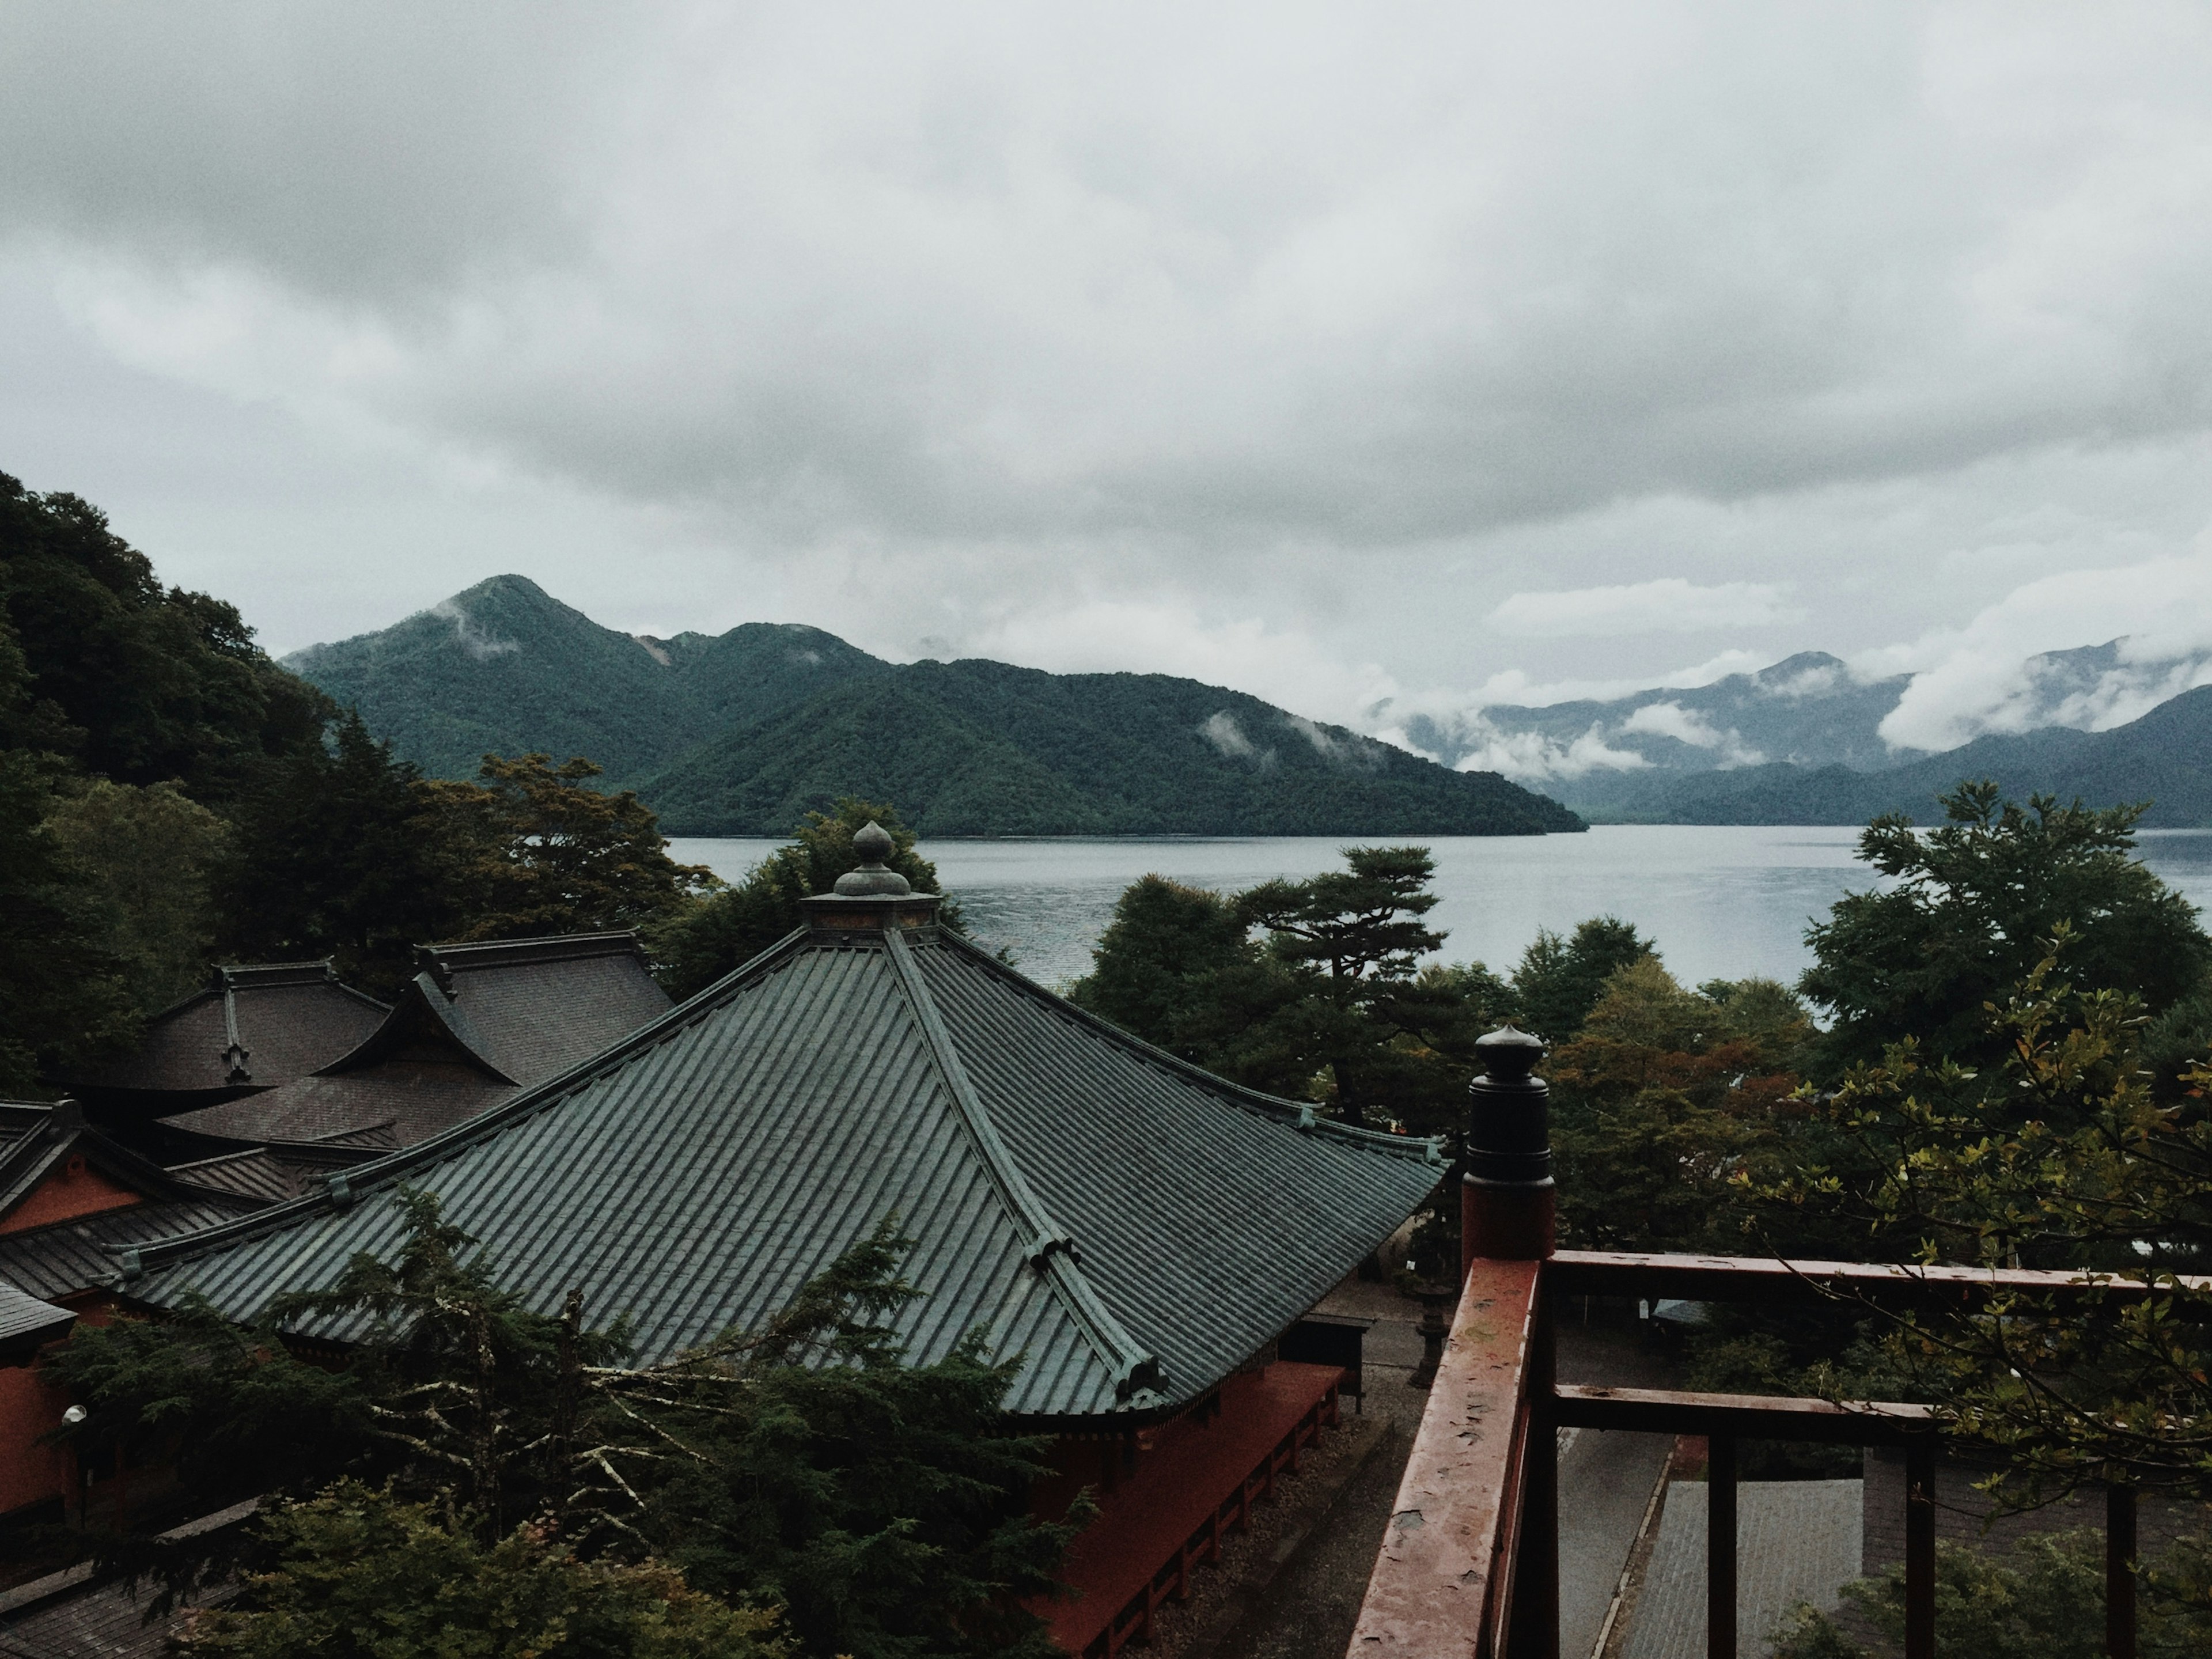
pixel 505 667
pixel 1807 710
pixel 2164 757
pixel 741 733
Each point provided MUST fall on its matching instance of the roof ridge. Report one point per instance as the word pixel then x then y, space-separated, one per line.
pixel 1300 1113
pixel 1050 1247
pixel 469 1131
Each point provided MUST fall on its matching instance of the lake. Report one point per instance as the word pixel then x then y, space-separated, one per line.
pixel 1723 903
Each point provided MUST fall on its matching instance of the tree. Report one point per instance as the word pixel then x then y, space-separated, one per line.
pixel 360 1574
pixel 2064 1159
pixel 541 852
pixel 720 932
pixel 1354 939
pixel 1658 1100
pixel 342 852
pixel 1974 901
pixel 129 681
pixel 1163 952
pixel 804 1465
pixel 1560 980
pixel 148 858
pixel 64 997
pixel 2045 1597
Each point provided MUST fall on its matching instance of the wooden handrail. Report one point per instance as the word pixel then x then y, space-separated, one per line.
pixel 1750 1278
pixel 1442 1581
pixel 1465 1542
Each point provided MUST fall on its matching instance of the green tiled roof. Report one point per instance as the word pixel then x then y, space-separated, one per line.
pixel 1132 1226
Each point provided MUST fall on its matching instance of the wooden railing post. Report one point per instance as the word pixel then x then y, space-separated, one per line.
pixel 1507 1212
pixel 1508 1206
pixel 2120 1571
pixel 1920 1547
pixel 1720 1546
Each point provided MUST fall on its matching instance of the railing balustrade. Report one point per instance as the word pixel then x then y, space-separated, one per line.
pixel 1468 1567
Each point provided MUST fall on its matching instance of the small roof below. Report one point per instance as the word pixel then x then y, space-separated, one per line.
pixel 255 1026
pixel 478 1023
pixel 1131 1226
pixel 27 1324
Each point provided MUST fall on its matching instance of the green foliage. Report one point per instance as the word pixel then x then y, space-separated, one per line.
pixel 1661 1099
pixel 2065 1160
pixel 539 851
pixel 149 858
pixel 360 1574
pixel 2044 1596
pixel 879 1504
pixel 63 998
pixel 1971 903
pixel 1560 980
pixel 976 748
pixel 804 1466
pixel 341 853
pixel 700 942
pixel 127 681
pixel 1162 956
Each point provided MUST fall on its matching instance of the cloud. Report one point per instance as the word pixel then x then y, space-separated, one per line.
pixel 471 636
pixel 1667 604
pixel 1268 343
pixel 2019 663
pixel 1221 730
pixel 1530 756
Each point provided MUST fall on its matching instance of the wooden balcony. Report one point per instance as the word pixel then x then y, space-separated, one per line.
pixel 1468 1567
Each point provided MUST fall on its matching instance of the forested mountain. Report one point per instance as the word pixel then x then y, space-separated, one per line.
pixel 505 668
pixel 2164 757
pixel 744 732
pixel 982 748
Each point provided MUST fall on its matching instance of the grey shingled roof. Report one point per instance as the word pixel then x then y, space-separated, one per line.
pixel 255 1174
pixel 27 1324
pixel 76 1255
pixel 1132 1226
pixel 288 1018
pixel 479 1022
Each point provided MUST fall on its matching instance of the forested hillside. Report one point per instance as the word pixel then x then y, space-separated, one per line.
pixel 745 732
pixel 982 748
pixel 505 668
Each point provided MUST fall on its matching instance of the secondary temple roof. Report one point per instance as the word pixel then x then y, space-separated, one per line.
pixel 253 1026
pixel 1134 1226
pixel 479 1022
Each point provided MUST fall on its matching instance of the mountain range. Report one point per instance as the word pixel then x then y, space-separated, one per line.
pixel 743 733
pixel 1801 742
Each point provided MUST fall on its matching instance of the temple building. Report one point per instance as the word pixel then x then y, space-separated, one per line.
pixel 1140 1231
pixel 69 1199
pixel 478 1023
pixel 250 1030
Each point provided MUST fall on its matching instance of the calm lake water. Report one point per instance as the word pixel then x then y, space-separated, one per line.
pixel 1723 903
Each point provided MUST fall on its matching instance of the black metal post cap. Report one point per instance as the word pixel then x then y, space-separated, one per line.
pixel 1508 1128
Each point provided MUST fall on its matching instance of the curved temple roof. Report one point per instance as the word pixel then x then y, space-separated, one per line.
pixel 1135 1227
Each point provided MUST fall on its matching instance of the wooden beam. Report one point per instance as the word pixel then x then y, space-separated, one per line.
pixel 1751 1278
pixel 1742 1416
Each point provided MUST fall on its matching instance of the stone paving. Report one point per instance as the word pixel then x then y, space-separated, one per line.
pixel 1298 1597
pixel 1798 1540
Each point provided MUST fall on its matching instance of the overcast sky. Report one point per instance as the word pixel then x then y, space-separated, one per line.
pixel 1445 353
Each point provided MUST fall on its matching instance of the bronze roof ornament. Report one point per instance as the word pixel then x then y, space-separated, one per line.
pixel 873 879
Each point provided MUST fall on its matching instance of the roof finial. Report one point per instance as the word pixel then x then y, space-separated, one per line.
pixel 874 844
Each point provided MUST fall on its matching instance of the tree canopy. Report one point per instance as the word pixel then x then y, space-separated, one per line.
pixel 796 1489
pixel 1971 905
pixel 698 943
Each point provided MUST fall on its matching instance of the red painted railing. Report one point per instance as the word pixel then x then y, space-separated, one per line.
pixel 1468 1567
